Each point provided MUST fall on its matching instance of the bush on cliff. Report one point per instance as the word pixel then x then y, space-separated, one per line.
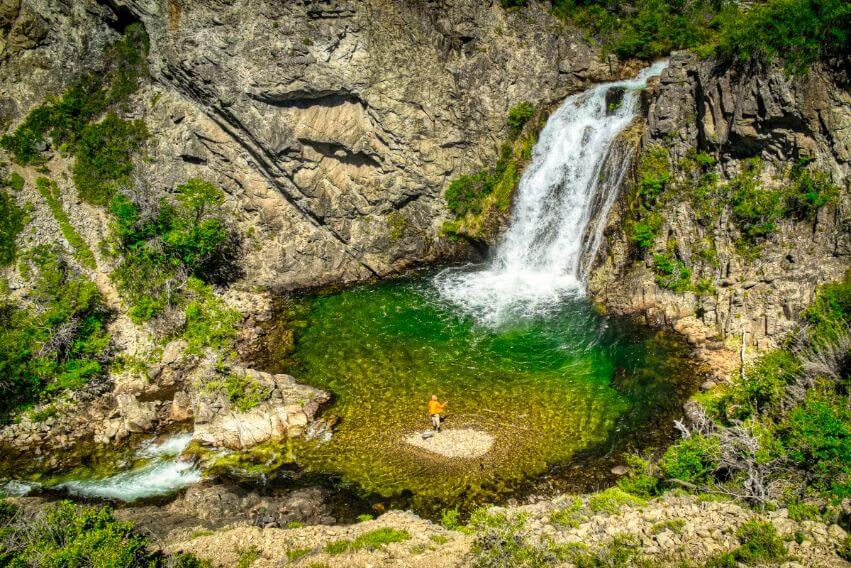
pixel 57 343
pixel 12 222
pixel 65 118
pixel 181 239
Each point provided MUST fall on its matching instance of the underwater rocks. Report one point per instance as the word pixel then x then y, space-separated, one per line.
pixel 286 412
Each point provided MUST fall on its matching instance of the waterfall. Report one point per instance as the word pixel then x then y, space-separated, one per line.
pixel 540 257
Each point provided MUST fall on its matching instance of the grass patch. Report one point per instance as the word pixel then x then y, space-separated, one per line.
pixel 372 540
pixel 612 499
pixel 241 390
pixel 568 516
pixel 13 219
pixel 296 554
pixel 50 192
pixel 674 525
pixel 15 181
pixel 247 557
pixel 439 539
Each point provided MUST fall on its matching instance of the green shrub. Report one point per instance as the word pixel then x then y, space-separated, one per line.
pixel 104 154
pixel 645 29
pixel 210 322
pixel 692 460
pixel 519 115
pixel 756 210
pixel 843 549
pixel 65 118
pixel 13 219
pixel 59 343
pixel 671 273
pixel 646 230
pixel 365 517
pixel 818 439
pixel 451 519
pixel 640 478
pixel 567 516
pixel 241 390
pixel 800 32
pixel 654 173
pixel 830 313
pixel 803 512
pixel 69 535
pixel 763 386
pixel 810 191
pixel 186 237
pixel 50 192
pixel 247 557
pixel 15 181
pixel 760 543
pixel 612 499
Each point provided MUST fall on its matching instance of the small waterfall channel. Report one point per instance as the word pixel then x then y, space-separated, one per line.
pixel 560 210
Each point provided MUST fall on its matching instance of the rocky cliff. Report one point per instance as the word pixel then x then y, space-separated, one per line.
pixel 715 126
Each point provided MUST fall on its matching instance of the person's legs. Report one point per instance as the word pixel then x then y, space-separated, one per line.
pixel 435 420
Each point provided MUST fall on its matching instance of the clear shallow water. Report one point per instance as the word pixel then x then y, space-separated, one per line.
pixel 545 387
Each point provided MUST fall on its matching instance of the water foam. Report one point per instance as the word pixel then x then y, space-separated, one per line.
pixel 164 474
pixel 539 260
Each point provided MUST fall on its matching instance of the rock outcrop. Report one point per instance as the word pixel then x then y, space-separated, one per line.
pixel 734 113
pixel 286 411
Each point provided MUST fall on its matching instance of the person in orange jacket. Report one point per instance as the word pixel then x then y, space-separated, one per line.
pixel 434 409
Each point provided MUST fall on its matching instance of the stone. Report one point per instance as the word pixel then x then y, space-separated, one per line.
pixel 620 470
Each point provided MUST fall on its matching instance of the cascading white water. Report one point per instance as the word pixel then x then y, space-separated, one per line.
pixel 540 257
pixel 165 473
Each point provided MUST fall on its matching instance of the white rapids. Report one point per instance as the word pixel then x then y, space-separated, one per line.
pixel 540 257
pixel 165 473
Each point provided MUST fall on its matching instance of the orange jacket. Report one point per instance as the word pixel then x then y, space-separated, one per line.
pixel 435 407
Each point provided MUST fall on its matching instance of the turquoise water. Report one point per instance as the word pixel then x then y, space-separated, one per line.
pixel 546 388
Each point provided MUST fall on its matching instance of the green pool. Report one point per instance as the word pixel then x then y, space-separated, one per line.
pixel 547 388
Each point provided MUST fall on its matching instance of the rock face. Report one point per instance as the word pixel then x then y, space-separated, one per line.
pixel 334 126
pixel 286 411
pixel 733 114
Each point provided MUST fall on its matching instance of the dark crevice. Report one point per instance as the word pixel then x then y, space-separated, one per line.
pixel 342 154
pixel 303 99
pixel 122 16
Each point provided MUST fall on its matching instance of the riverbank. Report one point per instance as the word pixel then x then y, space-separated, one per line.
pixel 670 531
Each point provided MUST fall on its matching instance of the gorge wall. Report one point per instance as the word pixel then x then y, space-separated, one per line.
pixel 731 115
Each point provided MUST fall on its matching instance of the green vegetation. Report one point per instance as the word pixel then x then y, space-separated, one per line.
pixel 247 557
pixel 800 32
pixel 692 460
pixel 673 525
pixel 104 157
pixel 65 119
pixel 15 181
pixel 57 343
pixel 473 198
pixel 13 219
pixel 644 29
pixel 439 539
pixel 640 479
pixel 295 525
pixel 671 272
pixel 568 516
pixel 760 544
pixel 653 175
pixel 241 390
pixel 296 554
pixel 612 499
pixel 50 192
pixel 159 251
pixel 519 115
pixel 810 191
pixel 371 540
pixel 364 517
pixel 756 210
pixel 397 225
pixel 68 535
